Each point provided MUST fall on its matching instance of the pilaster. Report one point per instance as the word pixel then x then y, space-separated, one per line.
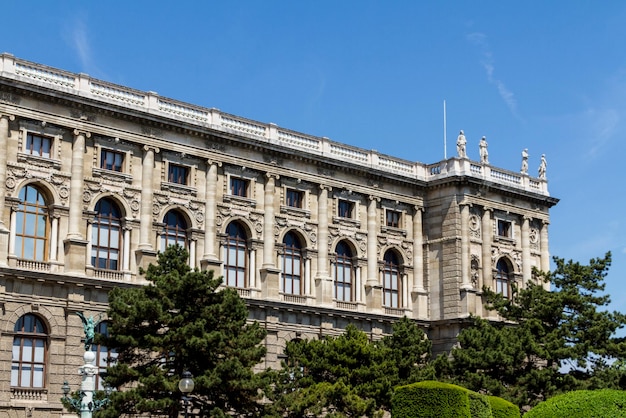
pixel 210 259
pixel 419 295
pixel 4 231
pixel 323 281
pixel 373 286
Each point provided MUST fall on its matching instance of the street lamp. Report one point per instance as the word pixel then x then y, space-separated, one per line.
pixel 185 385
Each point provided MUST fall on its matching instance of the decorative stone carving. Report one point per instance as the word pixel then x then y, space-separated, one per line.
pixel 474 268
pixel 9 98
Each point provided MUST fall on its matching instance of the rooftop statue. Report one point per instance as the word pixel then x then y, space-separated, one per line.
pixel 524 169
pixel 460 145
pixel 542 167
pixel 484 154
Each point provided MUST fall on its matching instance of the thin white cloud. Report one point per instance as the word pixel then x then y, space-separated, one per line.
pixel 80 43
pixel 480 40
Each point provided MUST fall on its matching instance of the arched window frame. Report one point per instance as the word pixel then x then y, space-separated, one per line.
pixel 29 352
pixel 175 230
pixel 392 280
pixel 32 225
pixel 344 273
pixel 292 265
pixel 236 255
pixel 503 277
pixel 107 234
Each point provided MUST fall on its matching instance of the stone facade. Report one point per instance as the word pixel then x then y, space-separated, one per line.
pixel 314 234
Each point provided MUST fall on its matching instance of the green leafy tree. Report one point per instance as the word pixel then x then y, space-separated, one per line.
pixel 182 321
pixel 348 375
pixel 548 341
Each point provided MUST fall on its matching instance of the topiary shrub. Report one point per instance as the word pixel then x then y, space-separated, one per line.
pixel 430 400
pixel 582 404
pixel 479 405
pixel 501 408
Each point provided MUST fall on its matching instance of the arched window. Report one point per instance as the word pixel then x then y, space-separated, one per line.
pixel 292 265
pixel 344 271
pixel 392 283
pixel 503 277
pixel 31 225
pixel 105 357
pixel 175 230
pixel 236 256
pixel 106 238
pixel 30 353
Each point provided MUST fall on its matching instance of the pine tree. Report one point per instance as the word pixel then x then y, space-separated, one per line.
pixel 348 375
pixel 549 341
pixel 182 321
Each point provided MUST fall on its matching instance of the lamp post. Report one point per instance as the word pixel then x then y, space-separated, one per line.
pixel 185 385
pixel 85 403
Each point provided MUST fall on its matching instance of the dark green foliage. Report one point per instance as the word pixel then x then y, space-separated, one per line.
pixel 430 399
pixel 348 375
pixel 501 408
pixel 522 359
pixel 582 404
pixel 181 321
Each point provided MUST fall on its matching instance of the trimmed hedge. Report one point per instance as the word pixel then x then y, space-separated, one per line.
pixel 501 408
pixel 479 405
pixel 430 400
pixel 582 404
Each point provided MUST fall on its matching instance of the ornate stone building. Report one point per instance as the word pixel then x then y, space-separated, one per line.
pixel 97 178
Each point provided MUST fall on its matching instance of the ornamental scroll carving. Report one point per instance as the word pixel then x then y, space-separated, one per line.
pixel 404 246
pixel 130 196
pixel 60 182
pixel 161 200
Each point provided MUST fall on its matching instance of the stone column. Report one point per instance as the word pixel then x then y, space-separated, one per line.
pixel 418 252
pixel 486 232
pixel 419 295
pixel 323 281
pixel 146 253
pixel 4 231
pixel 373 286
pixel 268 222
pixel 269 273
pixel 76 244
pixel 210 258
pixel 76 184
pixel 465 248
pixel 147 170
pixel 545 253
pixel 526 270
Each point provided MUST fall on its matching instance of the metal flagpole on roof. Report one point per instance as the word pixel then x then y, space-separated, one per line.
pixel 445 154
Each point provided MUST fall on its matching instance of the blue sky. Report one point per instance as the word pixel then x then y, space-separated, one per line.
pixel 547 76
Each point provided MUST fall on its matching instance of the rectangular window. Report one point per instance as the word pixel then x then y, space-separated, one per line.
pixel 504 229
pixel 239 187
pixel 393 218
pixel 111 160
pixel 178 174
pixel 345 209
pixel 38 145
pixel 295 198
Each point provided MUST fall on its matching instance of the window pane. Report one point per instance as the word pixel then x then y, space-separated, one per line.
pixel 39 351
pixel 30 222
pixel 14 374
pixel 38 376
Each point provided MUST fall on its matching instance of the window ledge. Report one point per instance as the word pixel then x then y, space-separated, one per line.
pixel 239 199
pixel 346 221
pixel 179 188
pixel 293 211
pixel 111 175
pixel 38 161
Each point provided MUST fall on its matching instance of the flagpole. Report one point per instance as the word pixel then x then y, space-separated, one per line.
pixel 445 154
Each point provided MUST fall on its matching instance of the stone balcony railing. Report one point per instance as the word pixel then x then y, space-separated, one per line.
pixel 83 85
